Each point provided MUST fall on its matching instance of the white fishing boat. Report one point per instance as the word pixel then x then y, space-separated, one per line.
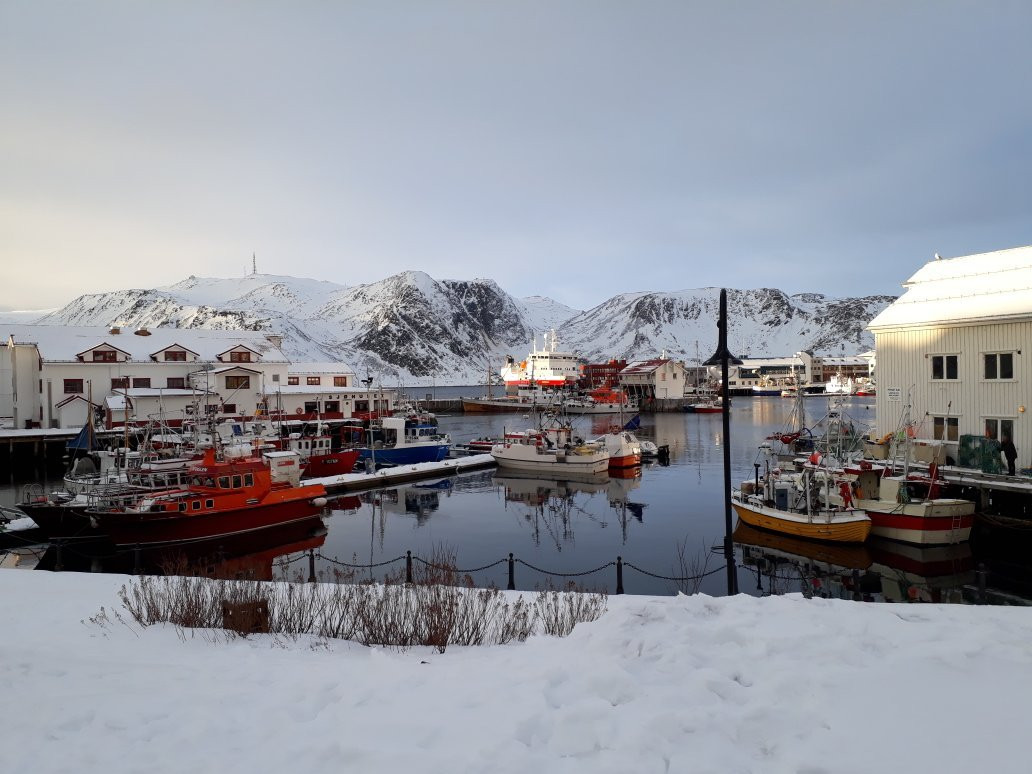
pixel 840 385
pixel 551 447
pixel 623 446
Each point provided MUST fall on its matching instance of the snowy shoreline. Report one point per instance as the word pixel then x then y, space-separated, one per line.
pixel 657 684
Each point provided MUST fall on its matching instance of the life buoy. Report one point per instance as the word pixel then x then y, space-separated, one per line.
pixel 300 411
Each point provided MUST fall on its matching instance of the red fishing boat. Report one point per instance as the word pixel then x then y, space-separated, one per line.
pixel 318 456
pixel 223 497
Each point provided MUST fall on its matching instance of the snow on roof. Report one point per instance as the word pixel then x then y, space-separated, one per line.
pixel 986 286
pixel 644 366
pixel 61 343
pixel 753 362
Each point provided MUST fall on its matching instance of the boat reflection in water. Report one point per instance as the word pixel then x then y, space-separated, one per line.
pixel 552 505
pixel 419 500
pixel 879 570
pixel 249 555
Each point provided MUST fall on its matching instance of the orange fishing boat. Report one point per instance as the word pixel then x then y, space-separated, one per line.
pixel 223 497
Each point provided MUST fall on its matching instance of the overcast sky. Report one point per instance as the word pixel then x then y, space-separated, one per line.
pixel 569 149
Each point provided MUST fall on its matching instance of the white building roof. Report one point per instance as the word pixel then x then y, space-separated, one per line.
pixel 61 343
pixel 993 286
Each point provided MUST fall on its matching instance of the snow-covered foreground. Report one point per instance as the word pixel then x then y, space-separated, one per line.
pixel 678 684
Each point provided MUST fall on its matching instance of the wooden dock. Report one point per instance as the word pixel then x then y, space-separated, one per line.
pixel 401 474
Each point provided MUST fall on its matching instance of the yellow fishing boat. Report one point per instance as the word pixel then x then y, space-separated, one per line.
pixel 794 504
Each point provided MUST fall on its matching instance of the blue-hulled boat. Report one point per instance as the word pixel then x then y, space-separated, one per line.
pixel 405 441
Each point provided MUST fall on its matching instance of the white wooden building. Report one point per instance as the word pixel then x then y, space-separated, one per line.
pixel 49 374
pixel 659 378
pixel 955 342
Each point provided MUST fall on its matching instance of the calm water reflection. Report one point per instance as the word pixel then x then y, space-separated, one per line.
pixel 667 520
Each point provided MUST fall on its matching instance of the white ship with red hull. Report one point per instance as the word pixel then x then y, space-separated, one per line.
pixel 545 367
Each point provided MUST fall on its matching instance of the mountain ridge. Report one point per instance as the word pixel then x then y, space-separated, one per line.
pixel 410 327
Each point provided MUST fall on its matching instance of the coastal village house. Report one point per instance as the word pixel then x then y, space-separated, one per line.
pixel 956 346
pixel 54 376
pixel 656 379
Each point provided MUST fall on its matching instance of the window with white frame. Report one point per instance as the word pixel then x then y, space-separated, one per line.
pixel 945 428
pixel 944 366
pixel 996 428
pixel 998 365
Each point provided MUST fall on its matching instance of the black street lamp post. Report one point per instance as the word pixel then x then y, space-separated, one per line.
pixel 723 357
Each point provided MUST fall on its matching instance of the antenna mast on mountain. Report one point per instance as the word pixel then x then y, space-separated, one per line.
pixel 254 264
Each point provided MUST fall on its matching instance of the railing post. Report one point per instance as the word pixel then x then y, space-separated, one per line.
pixel 857 596
pixel 58 562
pixel 408 567
pixel 136 559
pixel 619 575
pixel 512 573
pixel 982 595
pixel 311 565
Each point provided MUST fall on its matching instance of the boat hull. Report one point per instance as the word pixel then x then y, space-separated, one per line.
pixel 59 521
pixel 125 528
pixel 628 461
pixel 851 528
pixel 920 524
pixel 550 463
pixel 407 455
pixel 338 463
pixel 558 467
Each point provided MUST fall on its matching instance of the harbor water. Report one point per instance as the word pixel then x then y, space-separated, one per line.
pixel 666 525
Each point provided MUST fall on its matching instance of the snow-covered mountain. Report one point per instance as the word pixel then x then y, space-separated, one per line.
pixel 764 322
pixel 411 327
pixel 543 314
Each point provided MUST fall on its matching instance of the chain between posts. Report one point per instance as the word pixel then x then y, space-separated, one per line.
pixel 673 578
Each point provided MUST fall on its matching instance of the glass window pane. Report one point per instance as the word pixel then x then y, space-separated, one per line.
pixel 937 367
pixel 951 366
pixel 1006 365
pixel 991 429
pixel 1006 428
pixel 937 424
pixel 990 366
